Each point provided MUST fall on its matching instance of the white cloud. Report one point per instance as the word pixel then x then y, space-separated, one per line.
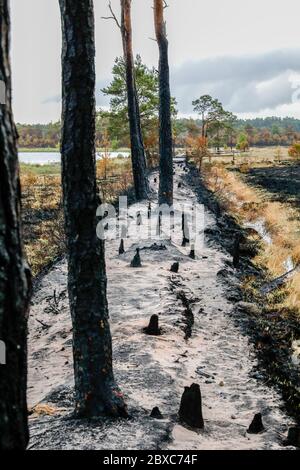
pixel 234 35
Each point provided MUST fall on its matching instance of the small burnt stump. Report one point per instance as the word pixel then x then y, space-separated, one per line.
pixel 121 248
pixel 293 438
pixel 185 241
pixel 156 414
pixel 136 262
pixel 192 254
pixel 190 411
pixel 236 251
pixel 256 426
pixel 153 327
pixel 175 268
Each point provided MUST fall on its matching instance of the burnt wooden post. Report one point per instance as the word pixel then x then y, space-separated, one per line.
pixel 172 220
pixel 190 411
pixel 185 231
pixel 256 426
pixel 121 249
pixel 294 437
pixel 136 262
pixel 159 223
pixel 236 251
pixel 156 414
pixel 175 268
pixel 153 327
pixel 192 254
pixel 149 210
pixel 139 219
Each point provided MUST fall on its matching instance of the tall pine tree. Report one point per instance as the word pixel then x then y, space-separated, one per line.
pixel 15 279
pixel 165 120
pixel 95 389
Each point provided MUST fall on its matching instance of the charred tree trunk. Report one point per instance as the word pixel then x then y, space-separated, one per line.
pixel 139 169
pixel 95 389
pixel 14 272
pixel 165 121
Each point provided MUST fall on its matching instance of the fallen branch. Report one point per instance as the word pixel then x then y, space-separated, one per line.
pixel 278 282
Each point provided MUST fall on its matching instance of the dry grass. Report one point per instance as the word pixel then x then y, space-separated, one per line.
pixel 42 219
pixel 43 410
pixel 114 177
pixel 43 222
pixel 281 222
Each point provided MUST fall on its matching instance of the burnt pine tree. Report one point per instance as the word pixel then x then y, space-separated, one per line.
pixel 139 167
pixel 96 393
pixel 15 277
pixel 165 121
pixel 137 146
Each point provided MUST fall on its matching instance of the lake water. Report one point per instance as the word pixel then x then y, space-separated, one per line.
pixel 44 158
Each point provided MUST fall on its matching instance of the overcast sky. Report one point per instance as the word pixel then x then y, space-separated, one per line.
pixel 247 54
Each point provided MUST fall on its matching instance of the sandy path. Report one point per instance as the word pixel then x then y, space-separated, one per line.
pixel 152 371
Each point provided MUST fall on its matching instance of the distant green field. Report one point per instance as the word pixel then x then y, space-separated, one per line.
pixel 39 150
pixel 49 169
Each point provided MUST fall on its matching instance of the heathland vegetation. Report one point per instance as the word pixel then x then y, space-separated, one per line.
pixel 271 131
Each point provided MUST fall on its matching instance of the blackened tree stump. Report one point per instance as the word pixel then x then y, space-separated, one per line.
pixel 136 262
pixel 156 414
pixel 236 251
pixel 139 219
pixel 256 426
pixel 185 231
pixel 121 249
pixel 153 327
pixel 159 223
pixel 192 254
pixel 190 411
pixel 175 268
pixel 294 437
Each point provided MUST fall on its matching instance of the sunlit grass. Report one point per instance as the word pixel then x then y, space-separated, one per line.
pixel 43 220
pixel 281 222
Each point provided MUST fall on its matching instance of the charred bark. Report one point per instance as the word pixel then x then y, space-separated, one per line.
pixel 190 411
pixel 96 393
pixel 15 277
pixel 153 328
pixel 139 167
pixel 165 121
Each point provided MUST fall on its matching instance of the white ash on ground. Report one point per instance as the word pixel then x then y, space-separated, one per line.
pixel 152 371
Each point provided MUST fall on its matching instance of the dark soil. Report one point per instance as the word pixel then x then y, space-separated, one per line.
pixel 282 181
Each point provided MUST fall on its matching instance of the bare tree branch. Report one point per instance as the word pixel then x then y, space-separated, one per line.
pixel 112 17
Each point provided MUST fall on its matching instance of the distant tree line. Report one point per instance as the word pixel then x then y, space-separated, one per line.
pixel 260 132
pixel 276 131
